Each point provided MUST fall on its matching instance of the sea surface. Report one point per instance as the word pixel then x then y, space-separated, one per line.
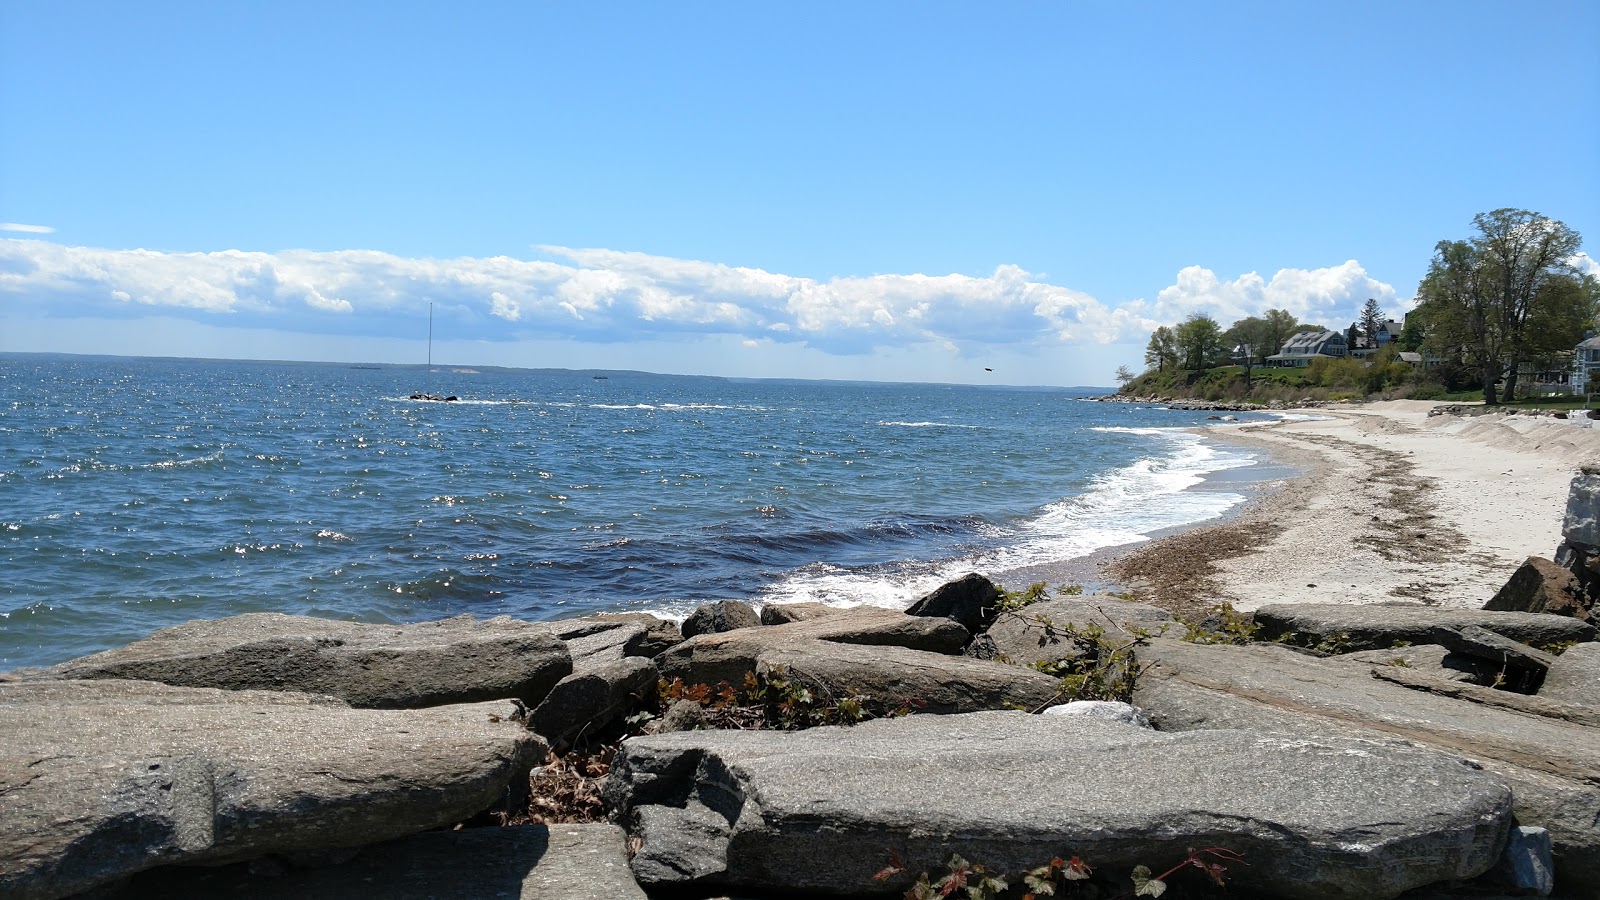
pixel 139 493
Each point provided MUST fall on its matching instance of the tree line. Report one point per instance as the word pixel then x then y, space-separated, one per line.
pixel 1507 299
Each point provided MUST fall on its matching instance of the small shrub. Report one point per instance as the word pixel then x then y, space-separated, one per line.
pixel 1222 625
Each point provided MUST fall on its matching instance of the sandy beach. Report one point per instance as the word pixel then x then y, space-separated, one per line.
pixel 1391 504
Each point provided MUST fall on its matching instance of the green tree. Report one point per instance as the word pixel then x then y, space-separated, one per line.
pixel 1199 340
pixel 1250 341
pixel 1414 331
pixel 1507 296
pixel 1162 350
pixel 1281 324
pixel 1370 320
pixel 1124 375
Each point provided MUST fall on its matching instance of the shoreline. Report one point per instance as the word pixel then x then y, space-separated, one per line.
pixel 1386 505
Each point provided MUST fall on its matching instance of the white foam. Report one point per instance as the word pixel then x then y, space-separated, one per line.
pixel 1124 506
pixel 924 425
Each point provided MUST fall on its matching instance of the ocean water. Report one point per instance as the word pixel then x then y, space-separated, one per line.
pixel 136 494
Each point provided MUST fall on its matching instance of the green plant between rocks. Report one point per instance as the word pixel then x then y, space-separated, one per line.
pixel 1222 625
pixel 1097 663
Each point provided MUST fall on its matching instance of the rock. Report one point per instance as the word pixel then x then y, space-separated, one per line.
pixel 660 634
pixel 1525 866
pixel 971 600
pixel 605 647
pixel 101 779
pixel 1021 638
pixel 1110 710
pixel 1429 659
pixel 526 862
pixel 684 715
pixel 1552 766
pixel 1574 676
pixel 718 617
pixel 459 660
pixel 758 809
pixel 1541 586
pixel 587 702
pixel 893 677
pixel 784 613
pixel 1576 713
pixel 1519 667
pixel 1581 525
pixel 713 658
pixel 1379 626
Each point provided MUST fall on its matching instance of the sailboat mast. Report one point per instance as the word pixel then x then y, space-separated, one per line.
pixel 430 335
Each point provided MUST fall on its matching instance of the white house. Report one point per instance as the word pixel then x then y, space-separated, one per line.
pixel 1299 350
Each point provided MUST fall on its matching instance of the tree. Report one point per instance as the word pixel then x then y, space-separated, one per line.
pixel 1506 296
pixel 1199 340
pixel 1281 324
pixel 1124 375
pixel 1371 319
pixel 1250 340
pixel 1162 350
pixel 1414 331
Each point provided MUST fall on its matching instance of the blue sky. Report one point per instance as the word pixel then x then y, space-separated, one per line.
pixel 887 190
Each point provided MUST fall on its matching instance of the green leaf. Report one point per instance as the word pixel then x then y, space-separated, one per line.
pixel 1144 885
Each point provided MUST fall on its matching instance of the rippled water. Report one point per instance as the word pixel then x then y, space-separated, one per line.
pixel 135 494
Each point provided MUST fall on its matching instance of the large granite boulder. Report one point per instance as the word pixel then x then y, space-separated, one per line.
pixel 1314 819
pixel 730 656
pixel 784 613
pixel 1022 637
pixel 1541 586
pixel 893 677
pixel 971 600
pixel 587 702
pixel 1581 524
pixel 459 660
pixel 1431 659
pixel 101 779
pixel 1574 676
pixel 526 862
pixel 720 616
pixel 1379 626
pixel 659 633
pixel 1543 751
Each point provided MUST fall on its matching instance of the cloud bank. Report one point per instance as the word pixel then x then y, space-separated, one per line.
pixel 29 229
pixel 615 296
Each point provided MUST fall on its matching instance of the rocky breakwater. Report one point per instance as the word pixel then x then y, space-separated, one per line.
pixel 999 748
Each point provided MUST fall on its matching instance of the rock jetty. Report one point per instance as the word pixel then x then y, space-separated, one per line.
pixel 1314 751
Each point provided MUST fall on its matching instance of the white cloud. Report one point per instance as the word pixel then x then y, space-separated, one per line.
pixel 29 229
pixel 1330 296
pixel 1586 264
pixel 607 295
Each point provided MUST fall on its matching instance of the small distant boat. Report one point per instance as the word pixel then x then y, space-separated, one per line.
pixel 423 395
pixel 601 377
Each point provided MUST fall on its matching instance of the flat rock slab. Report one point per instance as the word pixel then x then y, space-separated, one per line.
pixel 459 660
pixel 893 677
pixel 1379 626
pixel 529 862
pixel 1552 764
pixel 102 779
pixel 1430 659
pixel 1574 676
pixel 1333 818
pixel 1020 637
pixel 729 656
pixel 659 633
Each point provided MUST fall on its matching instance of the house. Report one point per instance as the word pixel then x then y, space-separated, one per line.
pixel 1586 367
pixel 1300 349
pixel 1388 331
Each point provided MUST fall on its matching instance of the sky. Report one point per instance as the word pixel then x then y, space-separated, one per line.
pixel 886 191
